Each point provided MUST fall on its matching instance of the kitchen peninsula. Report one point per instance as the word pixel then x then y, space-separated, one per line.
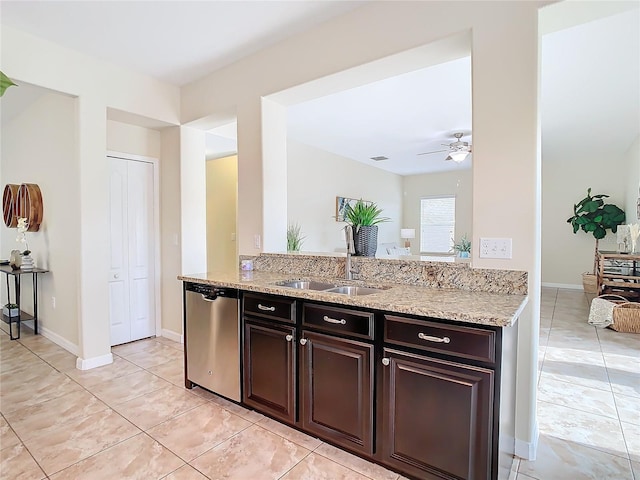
pixel 416 373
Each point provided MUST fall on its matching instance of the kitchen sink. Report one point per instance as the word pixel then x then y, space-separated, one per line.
pixel 307 285
pixel 355 290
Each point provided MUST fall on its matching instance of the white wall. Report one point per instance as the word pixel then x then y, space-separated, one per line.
pixel 222 194
pixel 98 87
pixel 565 180
pixel 127 138
pixel 632 169
pixel 458 183
pixel 315 177
pixel 38 146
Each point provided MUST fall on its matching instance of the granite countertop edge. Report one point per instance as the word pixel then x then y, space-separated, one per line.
pixel 483 308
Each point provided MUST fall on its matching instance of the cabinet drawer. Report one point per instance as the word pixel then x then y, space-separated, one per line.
pixel 342 320
pixel 267 306
pixel 465 342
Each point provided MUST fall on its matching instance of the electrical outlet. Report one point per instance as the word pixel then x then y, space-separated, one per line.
pixel 256 240
pixel 495 248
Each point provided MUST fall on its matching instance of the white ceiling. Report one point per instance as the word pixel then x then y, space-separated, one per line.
pixel 590 74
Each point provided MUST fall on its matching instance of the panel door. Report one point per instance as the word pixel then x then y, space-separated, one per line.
pixel 131 232
pixel 437 417
pixel 337 390
pixel 270 369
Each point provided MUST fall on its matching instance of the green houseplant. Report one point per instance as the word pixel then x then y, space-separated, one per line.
pixel 294 237
pixel 364 218
pixel 5 82
pixel 463 247
pixel 592 215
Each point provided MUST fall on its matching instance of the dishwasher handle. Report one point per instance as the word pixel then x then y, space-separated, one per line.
pixel 212 297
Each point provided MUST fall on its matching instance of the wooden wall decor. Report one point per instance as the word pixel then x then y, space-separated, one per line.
pixel 22 201
pixel 9 198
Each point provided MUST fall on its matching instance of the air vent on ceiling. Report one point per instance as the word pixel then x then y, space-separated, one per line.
pixel 380 158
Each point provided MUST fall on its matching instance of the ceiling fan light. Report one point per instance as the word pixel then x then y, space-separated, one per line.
pixel 457 156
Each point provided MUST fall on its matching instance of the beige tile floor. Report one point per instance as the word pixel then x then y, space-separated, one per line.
pixel 135 420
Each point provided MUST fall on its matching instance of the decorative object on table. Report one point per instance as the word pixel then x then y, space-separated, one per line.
pixel 622 238
pixel 10 309
pixel 634 233
pixel 592 215
pixel 463 247
pixel 295 239
pixel 364 218
pixel 26 263
pixel 407 234
pixel 15 261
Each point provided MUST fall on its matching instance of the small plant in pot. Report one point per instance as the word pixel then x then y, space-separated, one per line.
pixel 592 215
pixel 364 218
pixel 463 247
pixel 295 239
pixel 10 309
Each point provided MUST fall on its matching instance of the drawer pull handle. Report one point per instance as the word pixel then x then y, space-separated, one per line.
pixel 385 362
pixel 268 309
pixel 429 338
pixel 342 321
pixel 303 341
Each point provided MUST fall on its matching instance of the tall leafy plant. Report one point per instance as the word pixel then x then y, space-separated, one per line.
pixel 592 215
pixel 363 214
pixel 294 237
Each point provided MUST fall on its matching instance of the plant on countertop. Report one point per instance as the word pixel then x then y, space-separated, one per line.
pixel 592 215
pixel 5 82
pixel 295 239
pixel 363 214
pixel 463 246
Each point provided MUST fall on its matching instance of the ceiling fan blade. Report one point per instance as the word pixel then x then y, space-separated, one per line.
pixel 436 151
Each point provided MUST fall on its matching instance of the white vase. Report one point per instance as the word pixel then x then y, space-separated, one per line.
pixel 10 312
pixel 27 263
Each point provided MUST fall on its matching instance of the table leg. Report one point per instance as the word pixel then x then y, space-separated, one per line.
pixel 35 303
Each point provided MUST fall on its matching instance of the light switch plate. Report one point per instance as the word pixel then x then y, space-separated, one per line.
pixel 495 248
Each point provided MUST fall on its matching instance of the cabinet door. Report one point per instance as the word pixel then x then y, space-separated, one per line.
pixel 437 417
pixel 337 390
pixel 270 369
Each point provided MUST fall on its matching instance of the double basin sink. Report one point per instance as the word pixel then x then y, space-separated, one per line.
pixel 352 290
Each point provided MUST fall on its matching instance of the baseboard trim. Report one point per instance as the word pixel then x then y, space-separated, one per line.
pixel 94 362
pixel 528 450
pixel 59 340
pixel 171 335
pixel 569 286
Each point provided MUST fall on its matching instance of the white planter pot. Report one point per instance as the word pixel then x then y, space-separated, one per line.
pixel 12 313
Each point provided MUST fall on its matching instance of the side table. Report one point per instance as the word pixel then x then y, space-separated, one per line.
pixel 21 316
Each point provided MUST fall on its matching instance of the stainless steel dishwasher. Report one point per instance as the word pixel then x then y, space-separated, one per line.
pixel 212 346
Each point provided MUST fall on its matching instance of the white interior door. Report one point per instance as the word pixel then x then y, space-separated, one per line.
pixel 131 276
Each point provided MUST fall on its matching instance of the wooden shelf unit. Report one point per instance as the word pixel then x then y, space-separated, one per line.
pixel 618 273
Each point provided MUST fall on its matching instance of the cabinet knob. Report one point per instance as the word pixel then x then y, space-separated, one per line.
pixel 117 275
pixel 385 362
pixel 289 338
pixel 303 341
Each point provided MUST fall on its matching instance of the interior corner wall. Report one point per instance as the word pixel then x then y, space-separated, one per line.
pixel 170 233
pixel 458 183
pixel 565 180
pixel 632 168
pixel 316 177
pixel 127 138
pixel 39 146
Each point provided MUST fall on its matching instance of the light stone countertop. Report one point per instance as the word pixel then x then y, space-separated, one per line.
pixel 496 309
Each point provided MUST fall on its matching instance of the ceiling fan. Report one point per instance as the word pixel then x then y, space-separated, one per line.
pixel 458 150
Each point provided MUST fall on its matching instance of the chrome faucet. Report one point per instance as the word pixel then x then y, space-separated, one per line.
pixel 351 249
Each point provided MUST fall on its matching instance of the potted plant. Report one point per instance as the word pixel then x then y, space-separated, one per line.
pixel 364 218
pixel 294 237
pixel 463 247
pixel 592 215
pixel 10 309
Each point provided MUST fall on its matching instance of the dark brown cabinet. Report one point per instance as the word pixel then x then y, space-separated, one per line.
pixel 337 378
pixel 270 369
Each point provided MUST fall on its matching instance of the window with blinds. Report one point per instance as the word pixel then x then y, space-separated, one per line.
pixel 437 224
